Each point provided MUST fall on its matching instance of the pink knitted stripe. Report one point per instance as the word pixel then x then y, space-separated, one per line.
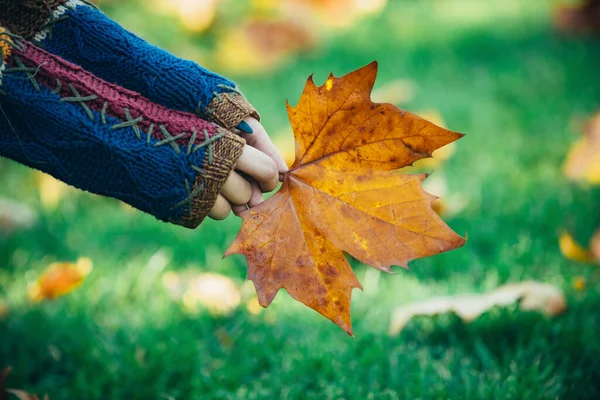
pixel 118 98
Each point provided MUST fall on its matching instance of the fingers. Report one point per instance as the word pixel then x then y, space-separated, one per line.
pixel 236 192
pixel 237 210
pixel 221 209
pixel 261 161
pixel 237 189
pixel 260 139
pixel 256 197
pixel 259 166
pixel 255 200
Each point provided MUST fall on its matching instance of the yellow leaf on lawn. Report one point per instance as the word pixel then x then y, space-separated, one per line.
pixel 59 279
pixel 284 142
pixel 4 311
pixel 572 250
pixel 533 296
pixel 262 45
pixel 583 160
pixel 579 283
pixel 395 92
pixel 338 14
pixel 216 293
pixel 52 191
pixel 128 208
pixel 197 16
pixel 253 306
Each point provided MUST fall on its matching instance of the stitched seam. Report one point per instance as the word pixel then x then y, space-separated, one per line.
pixel 211 112
pixel 208 142
pixel 103 113
pixel 131 122
pixel 77 98
pixel 230 88
pixel 30 73
pixel 191 195
pixel 149 133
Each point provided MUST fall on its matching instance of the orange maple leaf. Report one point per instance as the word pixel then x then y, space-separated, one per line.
pixel 59 279
pixel 343 195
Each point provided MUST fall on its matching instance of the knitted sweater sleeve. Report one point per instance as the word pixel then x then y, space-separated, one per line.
pixel 108 140
pixel 80 33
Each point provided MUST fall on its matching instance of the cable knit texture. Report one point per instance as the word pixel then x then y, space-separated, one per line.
pixel 85 36
pixel 108 140
pixel 26 17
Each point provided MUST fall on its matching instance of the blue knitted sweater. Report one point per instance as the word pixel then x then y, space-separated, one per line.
pixel 101 109
pixel 85 36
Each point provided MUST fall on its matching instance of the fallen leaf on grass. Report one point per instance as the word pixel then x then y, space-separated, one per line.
pixel 338 13
pixel 572 250
pixel 395 92
pixel 595 245
pixel 579 283
pixel 262 44
pixel 279 37
pixel 583 160
pixel 533 296
pixel 284 141
pixel 4 311
pixel 342 194
pixel 253 307
pixel 578 19
pixel 51 190
pixel 19 394
pixel 23 395
pixel 14 216
pixel 195 15
pixel 60 279
pixel 217 293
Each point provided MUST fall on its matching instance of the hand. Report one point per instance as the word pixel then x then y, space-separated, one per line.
pixel 256 171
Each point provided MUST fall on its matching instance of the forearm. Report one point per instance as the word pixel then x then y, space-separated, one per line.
pixel 107 140
pixel 84 36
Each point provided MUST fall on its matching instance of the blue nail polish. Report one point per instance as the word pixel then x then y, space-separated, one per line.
pixel 244 127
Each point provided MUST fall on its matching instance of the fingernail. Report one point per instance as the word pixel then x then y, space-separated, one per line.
pixel 244 127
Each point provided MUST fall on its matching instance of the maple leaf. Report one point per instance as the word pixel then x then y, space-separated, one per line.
pixel 343 195
pixel 60 279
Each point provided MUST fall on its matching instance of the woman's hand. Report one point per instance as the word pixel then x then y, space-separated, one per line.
pixel 257 171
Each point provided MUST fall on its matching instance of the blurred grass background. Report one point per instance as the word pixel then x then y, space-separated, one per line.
pixel 497 71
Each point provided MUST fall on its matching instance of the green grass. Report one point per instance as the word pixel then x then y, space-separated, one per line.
pixel 507 81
